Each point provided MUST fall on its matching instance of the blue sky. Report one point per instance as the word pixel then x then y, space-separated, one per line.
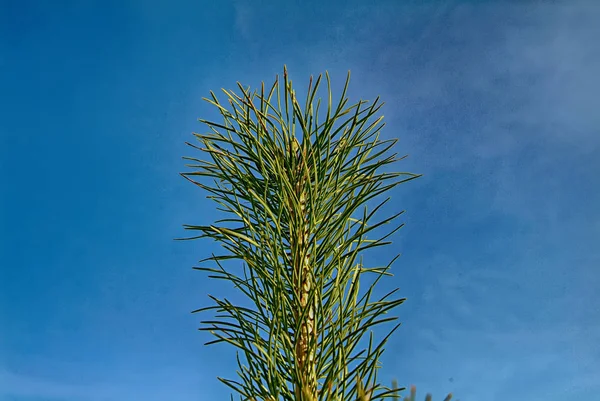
pixel 495 102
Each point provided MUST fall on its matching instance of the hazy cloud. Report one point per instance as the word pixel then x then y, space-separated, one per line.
pixel 243 18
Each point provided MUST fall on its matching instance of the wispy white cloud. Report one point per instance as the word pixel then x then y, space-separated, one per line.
pixel 529 71
pixel 15 385
pixel 243 18
pixel 475 327
pixel 160 383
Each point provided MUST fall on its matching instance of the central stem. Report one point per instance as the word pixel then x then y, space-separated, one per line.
pixel 303 277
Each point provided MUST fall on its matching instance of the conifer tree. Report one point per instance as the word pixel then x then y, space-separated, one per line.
pixel 295 186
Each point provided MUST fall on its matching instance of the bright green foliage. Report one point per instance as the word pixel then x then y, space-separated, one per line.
pixel 292 185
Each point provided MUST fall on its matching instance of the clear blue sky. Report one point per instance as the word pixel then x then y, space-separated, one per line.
pixel 496 103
